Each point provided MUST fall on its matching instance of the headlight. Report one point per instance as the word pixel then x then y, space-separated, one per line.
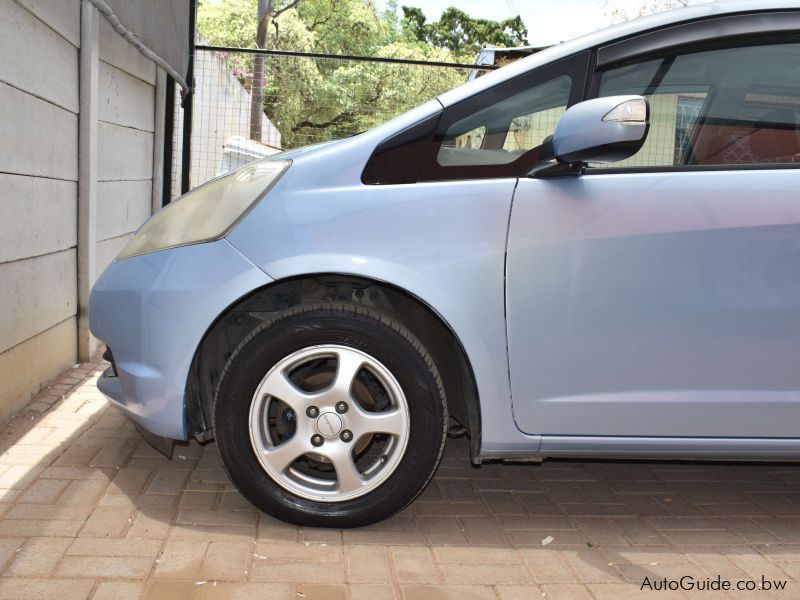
pixel 208 212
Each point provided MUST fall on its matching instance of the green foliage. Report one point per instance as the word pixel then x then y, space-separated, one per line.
pixel 457 31
pixel 228 22
pixel 344 26
pixel 348 97
pixel 312 100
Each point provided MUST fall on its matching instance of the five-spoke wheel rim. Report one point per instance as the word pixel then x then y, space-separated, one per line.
pixel 329 423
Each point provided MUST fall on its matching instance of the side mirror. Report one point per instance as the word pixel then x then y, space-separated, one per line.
pixel 598 130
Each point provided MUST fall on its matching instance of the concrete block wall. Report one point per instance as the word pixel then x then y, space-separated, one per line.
pixel 39 125
pixel 125 133
pixel 39 43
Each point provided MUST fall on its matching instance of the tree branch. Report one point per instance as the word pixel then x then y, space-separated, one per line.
pixel 346 117
pixel 279 12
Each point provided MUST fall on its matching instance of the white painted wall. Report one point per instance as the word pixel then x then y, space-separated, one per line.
pixel 39 78
pixel 221 115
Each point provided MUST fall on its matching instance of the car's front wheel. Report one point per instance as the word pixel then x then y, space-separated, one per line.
pixel 330 415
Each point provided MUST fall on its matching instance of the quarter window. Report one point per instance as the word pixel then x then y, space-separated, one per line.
pixel 731 106
pixel 500 133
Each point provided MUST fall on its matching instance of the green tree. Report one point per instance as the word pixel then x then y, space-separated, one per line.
pixel 228 23
pixel 344 26
pixel 268 12
pixel 312 100
pixel 334 26
pixel 457 31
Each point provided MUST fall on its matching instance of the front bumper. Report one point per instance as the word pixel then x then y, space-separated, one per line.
pixel 153 311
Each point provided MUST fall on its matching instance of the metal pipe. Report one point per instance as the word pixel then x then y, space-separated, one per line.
pixel 106 11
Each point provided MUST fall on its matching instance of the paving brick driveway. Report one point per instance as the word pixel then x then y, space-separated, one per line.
pixel 89 510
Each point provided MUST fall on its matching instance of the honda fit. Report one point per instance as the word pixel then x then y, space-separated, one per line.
pixel 593 252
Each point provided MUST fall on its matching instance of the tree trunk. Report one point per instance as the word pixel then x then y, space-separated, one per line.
pixel 257 84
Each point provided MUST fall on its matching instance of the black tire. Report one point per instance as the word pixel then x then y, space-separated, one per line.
pixel 345 325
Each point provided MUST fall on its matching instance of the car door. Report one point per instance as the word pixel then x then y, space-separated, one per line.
pixel 660 298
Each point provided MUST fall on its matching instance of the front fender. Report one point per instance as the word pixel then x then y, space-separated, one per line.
pixel 441 242
pixel 152 311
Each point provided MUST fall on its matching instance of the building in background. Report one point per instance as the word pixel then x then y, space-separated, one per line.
pixel 81 164
pixel 221 122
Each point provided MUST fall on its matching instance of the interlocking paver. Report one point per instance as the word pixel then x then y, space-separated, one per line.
pixel 87 508
pixel 302 552
pixel 484 532
pixel 567 591
pixel 448 592
pixel 167 481
pixel 321 592
pixel 180 560
pixel 83 492
pixel 482 573
pixel 18 477
pixel 38 557
pixel 208 533
pixel 108 521
pixel 443 530
pixel 600 531
pixel 227 561
pixel 118 590
pixel 36 528
pixel 548 566
pixel 130 481
pixel 198 500
pixel 367 564
pixel 47 512
pixel 372 591
pixel 104 566
pixel 170 590
pixel 315 535
pixel 297 571
pixel 753 563
pixel 636 573
pixel 110 547
pixel 217 517
pixel 151 524
pixel 273 529
pixel 615 591
pixel 476 555
pixel 414 565
pixel 20 588
pixel 518 592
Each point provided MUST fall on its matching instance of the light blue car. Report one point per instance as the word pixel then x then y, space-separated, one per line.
pixel 593 252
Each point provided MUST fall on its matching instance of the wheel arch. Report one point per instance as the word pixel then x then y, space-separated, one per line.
pixel 241 317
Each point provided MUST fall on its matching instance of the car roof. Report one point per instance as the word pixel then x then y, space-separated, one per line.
pixel 610 34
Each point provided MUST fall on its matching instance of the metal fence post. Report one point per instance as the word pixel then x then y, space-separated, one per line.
pixel 188 102
pixel 169 132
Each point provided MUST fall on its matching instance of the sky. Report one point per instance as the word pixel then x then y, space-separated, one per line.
pixel 548 21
